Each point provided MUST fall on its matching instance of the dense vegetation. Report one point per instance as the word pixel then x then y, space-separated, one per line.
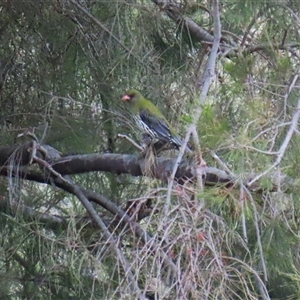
pixel 85 215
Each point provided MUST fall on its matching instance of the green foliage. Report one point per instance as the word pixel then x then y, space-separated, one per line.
pixel 61 78
pixel 212 128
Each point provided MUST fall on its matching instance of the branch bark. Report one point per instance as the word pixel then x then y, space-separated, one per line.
pixel 15 162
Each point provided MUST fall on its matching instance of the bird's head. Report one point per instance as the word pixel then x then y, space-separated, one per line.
pixel 131 96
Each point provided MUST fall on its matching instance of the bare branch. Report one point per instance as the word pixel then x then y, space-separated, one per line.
pixel 259 243
pixel 289 90
pixel 174 171
pixel 131 141
pixel 284 145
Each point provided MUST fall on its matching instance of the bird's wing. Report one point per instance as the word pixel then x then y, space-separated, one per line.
pixel 156 124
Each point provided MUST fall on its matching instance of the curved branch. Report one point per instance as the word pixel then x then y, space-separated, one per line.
pixel 194 29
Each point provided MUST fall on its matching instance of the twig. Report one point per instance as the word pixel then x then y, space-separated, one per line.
pixel 242 186
pixel 94 215
pixel 243 190
pixel 208 75
pixel 296 18
pixel 289 89
pixel 268 129
pixel 123 136
pixel 294 53
pixel 84 196
pixel 253 21
pixel 260 284
pixel 194 29
pixel 200 162
pixel 257 150
pixel 221 163
pixel 33 152
pixel 175 168
pixel 268 46
pixel 29 133
pixel 283 147
pixel 44 132
pixel 98 23
pixel 242 202
pixel 259 243
pixel 210 67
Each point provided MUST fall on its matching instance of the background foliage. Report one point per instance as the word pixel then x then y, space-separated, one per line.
pixel 63 67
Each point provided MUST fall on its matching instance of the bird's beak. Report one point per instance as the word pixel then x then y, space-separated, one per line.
pixel 125 98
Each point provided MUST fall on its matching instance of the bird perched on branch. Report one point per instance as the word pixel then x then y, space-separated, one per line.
pixel 149 118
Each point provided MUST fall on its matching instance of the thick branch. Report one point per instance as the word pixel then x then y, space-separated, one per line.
pixel 112 163
pixel 89 195
pixel 18 154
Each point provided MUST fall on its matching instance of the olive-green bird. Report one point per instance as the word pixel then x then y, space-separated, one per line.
pixel 149 118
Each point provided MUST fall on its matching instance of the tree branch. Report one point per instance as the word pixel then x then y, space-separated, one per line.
pixel 284 145
pixel 268 46
pixel 194 29
pixel 112 163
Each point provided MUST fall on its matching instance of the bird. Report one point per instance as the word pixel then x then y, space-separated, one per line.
pixel 150 119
